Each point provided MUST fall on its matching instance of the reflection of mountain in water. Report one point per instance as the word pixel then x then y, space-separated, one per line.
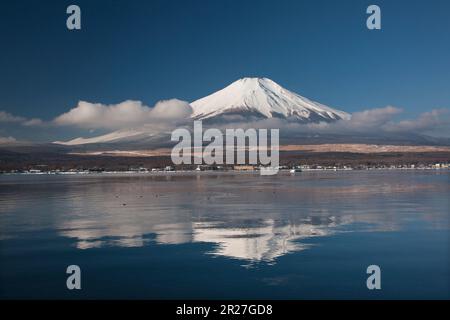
pixel 261 241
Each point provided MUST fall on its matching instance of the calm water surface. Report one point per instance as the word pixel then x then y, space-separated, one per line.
pixel 226 235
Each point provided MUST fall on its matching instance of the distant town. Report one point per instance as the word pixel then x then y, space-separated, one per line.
pixel 42 169
pixel 37 160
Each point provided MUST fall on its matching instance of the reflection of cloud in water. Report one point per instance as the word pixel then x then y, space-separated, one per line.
pixel 126 235
pixel 96 238
pixel 256 241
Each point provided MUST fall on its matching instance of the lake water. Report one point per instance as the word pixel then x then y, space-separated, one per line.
pixel 311 235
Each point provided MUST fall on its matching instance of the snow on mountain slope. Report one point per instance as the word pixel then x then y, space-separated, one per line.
pixel 265 98
pixel 106 138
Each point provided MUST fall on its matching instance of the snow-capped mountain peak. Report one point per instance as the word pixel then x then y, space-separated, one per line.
pixel 263 98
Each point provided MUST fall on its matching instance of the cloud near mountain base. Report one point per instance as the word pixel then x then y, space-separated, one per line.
pixel 123 115
pixel 7 140
pixel 91 119
pixel 372 121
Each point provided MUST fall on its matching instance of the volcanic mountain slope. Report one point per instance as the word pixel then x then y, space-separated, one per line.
pixel 261 98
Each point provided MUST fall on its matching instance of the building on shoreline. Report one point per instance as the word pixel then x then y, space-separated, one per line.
pixel 244 168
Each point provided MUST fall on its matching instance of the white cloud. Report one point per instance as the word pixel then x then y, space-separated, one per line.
pixel 373 121
pixel 33 122
pixel 7 140
pixel 373 118
pixel 172 109
pixel 428 121
pixel 126 114
pixel 166 115
pixel 8 117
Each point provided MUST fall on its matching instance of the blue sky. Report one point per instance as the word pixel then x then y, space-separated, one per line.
pixel 186 49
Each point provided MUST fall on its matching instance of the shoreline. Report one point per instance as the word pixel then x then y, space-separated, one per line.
pixel 197 172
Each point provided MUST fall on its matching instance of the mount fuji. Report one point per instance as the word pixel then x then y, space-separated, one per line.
pixel 261 98
pixel 244 100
